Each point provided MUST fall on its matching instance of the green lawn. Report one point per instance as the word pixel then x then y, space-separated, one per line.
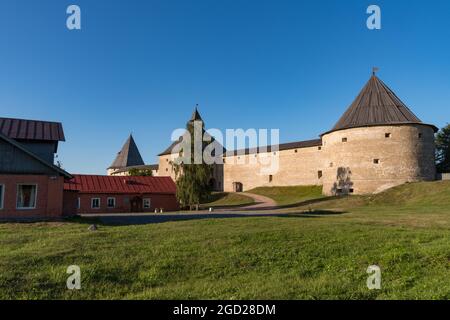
pixel 317 254
pixel 289 195
pixel 224 199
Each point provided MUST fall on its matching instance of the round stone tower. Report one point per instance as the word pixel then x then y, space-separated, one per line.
pixel 378 143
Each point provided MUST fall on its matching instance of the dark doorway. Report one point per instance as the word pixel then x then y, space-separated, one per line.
pixel 212 184
pixel 136 204
pixel 238 187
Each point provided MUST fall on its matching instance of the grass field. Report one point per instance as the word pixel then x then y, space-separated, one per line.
pixel 224 199
pixel 320 254
pixel 290 195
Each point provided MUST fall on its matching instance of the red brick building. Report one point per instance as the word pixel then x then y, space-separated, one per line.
pixel 31 186
pixel 119 194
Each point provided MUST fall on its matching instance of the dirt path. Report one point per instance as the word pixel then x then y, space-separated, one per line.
pixel 261 202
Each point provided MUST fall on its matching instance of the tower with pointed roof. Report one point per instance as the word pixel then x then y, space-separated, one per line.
pixel 128 158
pixel 378 143
pixel 166 157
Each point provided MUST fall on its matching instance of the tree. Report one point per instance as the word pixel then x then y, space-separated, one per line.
pixel 192 179
pixel 443 149
pixel 140 172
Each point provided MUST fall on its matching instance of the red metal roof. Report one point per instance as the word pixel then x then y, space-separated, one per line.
pixel 31 129
pixel 120 184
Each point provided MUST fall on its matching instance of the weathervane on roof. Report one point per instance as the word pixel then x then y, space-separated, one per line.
pixel 375 70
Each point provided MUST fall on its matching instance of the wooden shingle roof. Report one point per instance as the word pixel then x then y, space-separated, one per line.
pixel 376 104
pixel 128 156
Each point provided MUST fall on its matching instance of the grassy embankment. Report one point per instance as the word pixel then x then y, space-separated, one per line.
pixel 323 253
pixel 226 200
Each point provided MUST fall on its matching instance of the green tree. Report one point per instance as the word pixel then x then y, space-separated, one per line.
pixel 443 149
pixel 140 172
pixel 192 179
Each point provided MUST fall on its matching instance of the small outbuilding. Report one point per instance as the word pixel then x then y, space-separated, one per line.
pixel 119 194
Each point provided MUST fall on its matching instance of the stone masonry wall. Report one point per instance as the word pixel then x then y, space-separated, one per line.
pixel 372 159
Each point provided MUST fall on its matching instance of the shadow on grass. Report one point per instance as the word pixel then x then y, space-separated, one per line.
pixel 135 219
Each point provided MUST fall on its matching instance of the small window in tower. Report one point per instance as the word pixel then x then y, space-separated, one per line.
pixel 376 161
pixel 319 174
pixel 167 169
pixel 224 160
pixel 344 139
pixel 387 135
pixel 319 148
pixel 351 190
pixel 420 136
pixel 270 178
pixel 295 150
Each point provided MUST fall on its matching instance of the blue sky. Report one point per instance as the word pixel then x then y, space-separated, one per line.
pixel 141 66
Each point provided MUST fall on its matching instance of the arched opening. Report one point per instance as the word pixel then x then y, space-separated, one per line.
pixel 238 187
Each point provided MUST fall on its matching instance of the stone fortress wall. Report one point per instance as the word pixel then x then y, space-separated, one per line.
pixel 373 159
pixel 378 143
pixel 300 166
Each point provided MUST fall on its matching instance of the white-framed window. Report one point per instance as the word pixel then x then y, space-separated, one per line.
pixel 111 202
pixel 95 203
pixel 26 196
pixel 147 203
pixel 2 195
pixel 78 203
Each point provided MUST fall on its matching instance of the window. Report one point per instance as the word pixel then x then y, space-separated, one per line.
pixel 167 169
pixel 224 160
pixel 387 135
pixel 295 150
pixel 420 136
pixel 344 139
pixel 78 203
pixel 111 202
pixel 270 178
pixel 146 203
pixel 351 190
pixel 376 161
pixel 26 196
pixel 95 203
pixel 319 174
pixel 319 148
pixel 2 194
